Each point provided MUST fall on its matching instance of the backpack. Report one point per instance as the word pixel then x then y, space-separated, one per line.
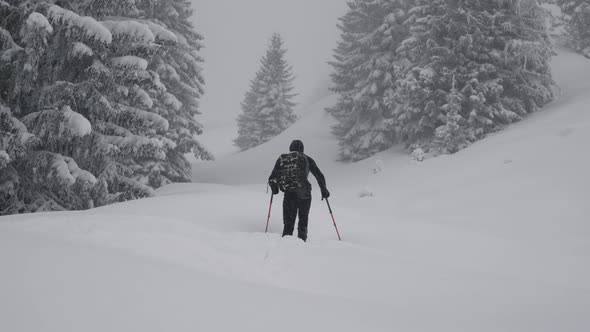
pixel 293 171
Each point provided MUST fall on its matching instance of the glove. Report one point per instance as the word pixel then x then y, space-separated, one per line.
pixel 274 187
pixel 325 193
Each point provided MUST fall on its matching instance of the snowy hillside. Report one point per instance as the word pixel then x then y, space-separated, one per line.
pixel 493 238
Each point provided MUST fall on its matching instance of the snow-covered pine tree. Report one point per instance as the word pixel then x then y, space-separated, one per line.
pixel 577 13
pixel 32 179
pixel 555 19
pixel 366 69
pixel 451 137
pixel 246 120
pixel 414 117
pixel 495 54
pixel 268 106
pixel 91 93
pixel 45 177
pixel 137 130
pixel 15 143
pixel 84 77
pixel 178 63
pixel 101 72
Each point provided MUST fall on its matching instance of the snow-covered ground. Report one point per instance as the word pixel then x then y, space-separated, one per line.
pixel 494 238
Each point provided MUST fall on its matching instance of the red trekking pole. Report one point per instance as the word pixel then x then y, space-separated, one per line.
pixel 269 209
pixel 334 221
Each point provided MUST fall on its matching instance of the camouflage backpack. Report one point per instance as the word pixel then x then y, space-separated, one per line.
pixel 294 168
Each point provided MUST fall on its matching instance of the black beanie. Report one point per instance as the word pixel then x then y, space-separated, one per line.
pixel 296 145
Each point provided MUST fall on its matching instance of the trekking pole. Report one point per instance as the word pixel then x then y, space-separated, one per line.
pixel 334 221
pixel 269 209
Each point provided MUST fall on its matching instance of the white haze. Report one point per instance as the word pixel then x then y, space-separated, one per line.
pixel 236 34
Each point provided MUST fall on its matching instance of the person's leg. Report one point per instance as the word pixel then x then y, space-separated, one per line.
pixel 289 213
pixel 304 206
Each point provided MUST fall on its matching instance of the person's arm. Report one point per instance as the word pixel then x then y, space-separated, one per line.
pixel 315 170
pixel 273 178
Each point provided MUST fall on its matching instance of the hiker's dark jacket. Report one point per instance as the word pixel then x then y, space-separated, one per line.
pixel 305 191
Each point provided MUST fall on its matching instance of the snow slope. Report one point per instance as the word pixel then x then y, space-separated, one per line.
pixel 494 238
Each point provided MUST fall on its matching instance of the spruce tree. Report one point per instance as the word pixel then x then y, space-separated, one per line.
pixel 15 143
pixel 495 54
pixel 247 120
pixel 104 64
pixel 178 63
pixel 577 14
pixel 366 69
pixel 45 176
pixel 267 109
pixel 96 85
pixel 451 137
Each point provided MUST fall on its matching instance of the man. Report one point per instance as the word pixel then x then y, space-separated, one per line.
pixel 290 176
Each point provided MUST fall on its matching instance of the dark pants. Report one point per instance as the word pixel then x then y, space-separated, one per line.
pixel 293 205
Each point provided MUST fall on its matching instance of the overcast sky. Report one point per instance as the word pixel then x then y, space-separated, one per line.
pixel 236 34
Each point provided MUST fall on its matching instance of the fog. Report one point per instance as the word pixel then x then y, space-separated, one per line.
pixel 236 35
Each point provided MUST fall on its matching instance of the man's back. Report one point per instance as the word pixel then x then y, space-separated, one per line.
pixel 295 166
pixel 293 171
